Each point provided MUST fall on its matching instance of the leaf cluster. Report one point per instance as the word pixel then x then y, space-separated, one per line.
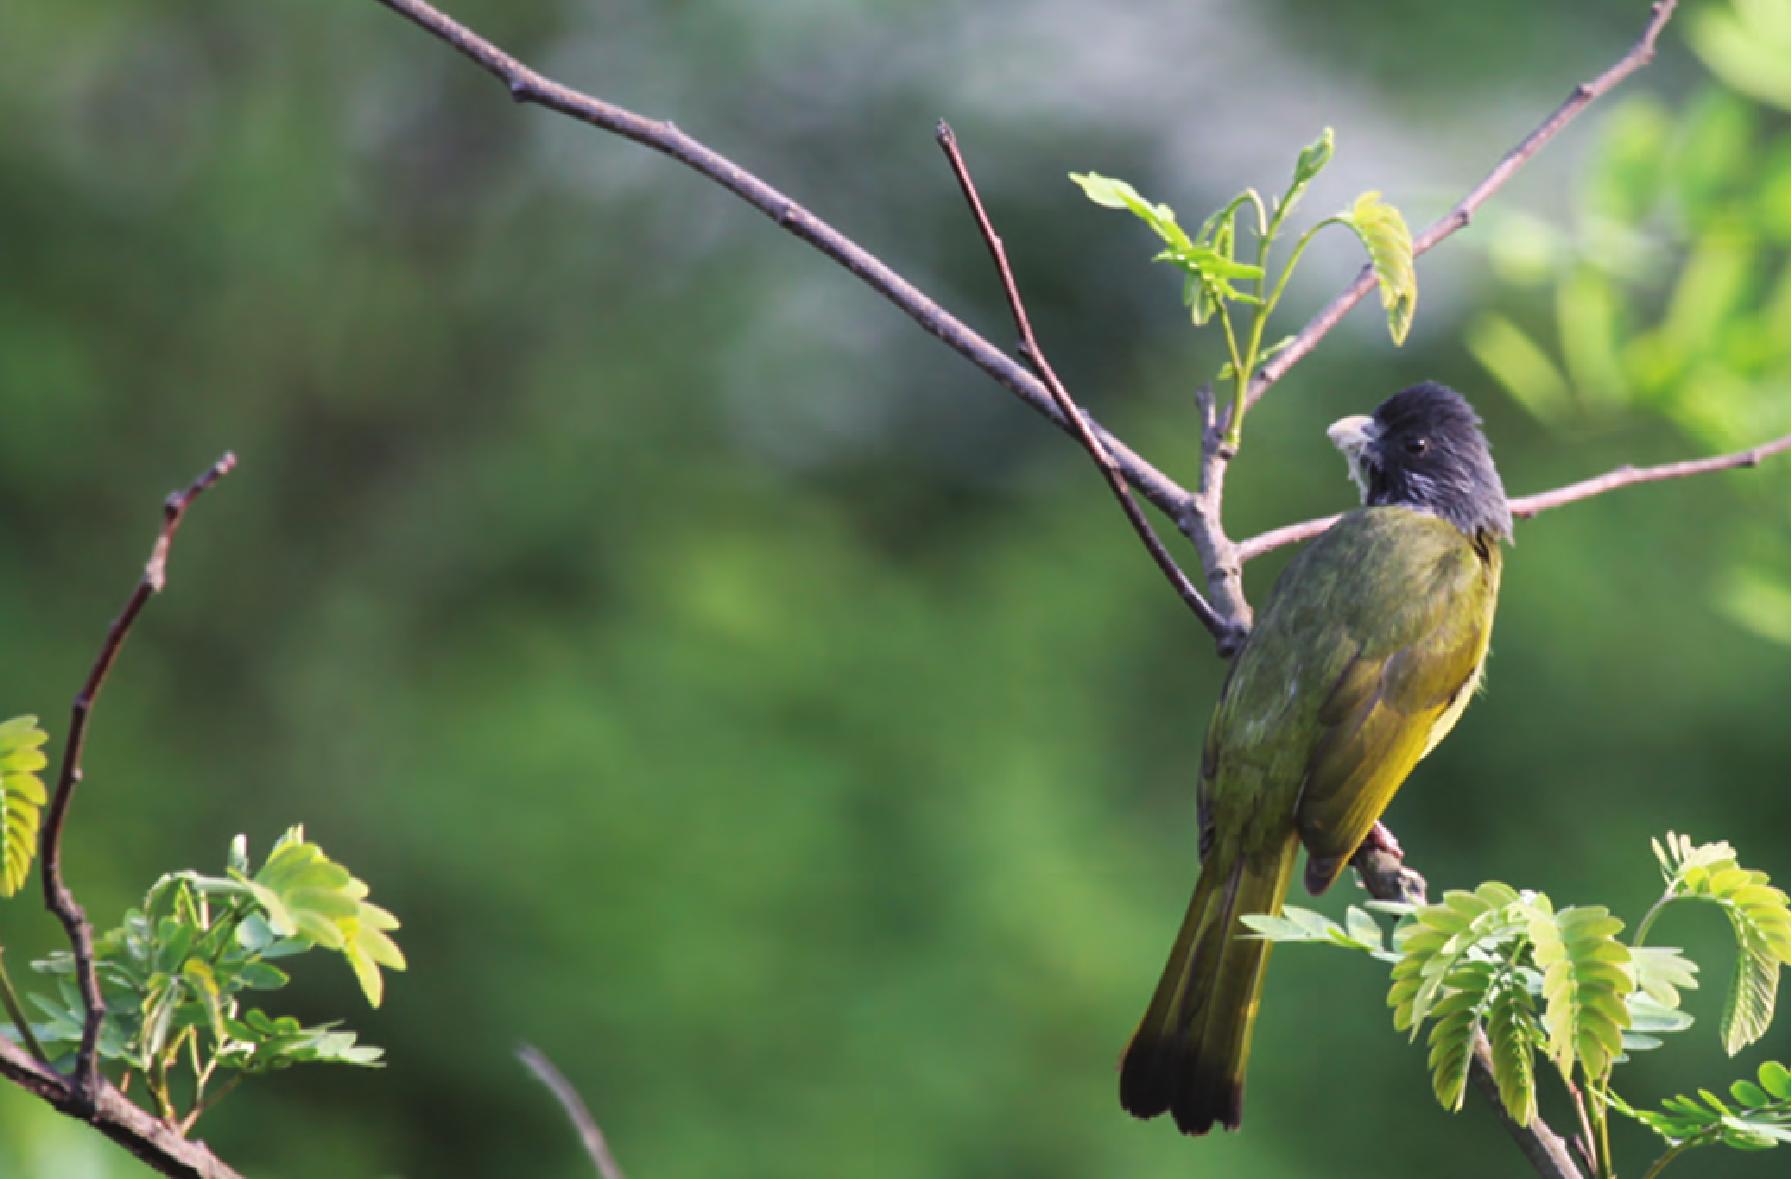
pixel 1538 982
pixel 178 973
pixel 1212 268
pixel 1760 1119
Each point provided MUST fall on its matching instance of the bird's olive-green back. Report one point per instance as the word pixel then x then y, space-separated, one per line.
pixel 1364 655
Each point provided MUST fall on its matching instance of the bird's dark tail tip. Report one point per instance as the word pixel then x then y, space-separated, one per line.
pixel 1158 1077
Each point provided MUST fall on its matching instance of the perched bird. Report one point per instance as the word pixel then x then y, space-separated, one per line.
pixel 1368 650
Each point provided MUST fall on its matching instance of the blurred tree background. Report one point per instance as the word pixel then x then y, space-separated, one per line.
pixel 735 693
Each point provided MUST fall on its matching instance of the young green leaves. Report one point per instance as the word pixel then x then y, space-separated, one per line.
pixel 1759 917
pixel 1212 268
pixel 1760 1120
pixel 1537 980
pixel 21 798
pixel 1382 230
pixel 303 893
pixel 1206 260
pixel 176 974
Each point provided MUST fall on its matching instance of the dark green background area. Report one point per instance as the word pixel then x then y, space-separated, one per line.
pixel 734 693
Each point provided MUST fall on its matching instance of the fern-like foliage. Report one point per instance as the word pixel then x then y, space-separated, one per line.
pixel 1439 937
pixel 1457 1017
pixel 21 799
pixel 1537 980
pixel 305 894
pixel 1760 1119
pixel 1586 977
pixel 1760 917
pixel 1511 1021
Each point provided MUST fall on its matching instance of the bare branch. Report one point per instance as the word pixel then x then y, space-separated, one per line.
pixel 1629 476
pixel 526 85
pixel 574 1106
pixel 1457 218
pixel 1221 629
pixel 1527 506
pixel 57 896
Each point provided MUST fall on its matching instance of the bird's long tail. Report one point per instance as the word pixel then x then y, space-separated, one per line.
pixel 1188 1056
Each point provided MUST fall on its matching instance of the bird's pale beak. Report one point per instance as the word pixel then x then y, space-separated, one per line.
pixel 1353 436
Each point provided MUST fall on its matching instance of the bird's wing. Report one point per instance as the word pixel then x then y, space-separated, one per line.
pixel 1415 658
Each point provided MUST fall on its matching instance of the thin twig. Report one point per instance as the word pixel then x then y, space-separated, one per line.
pixel 57 897
pixel 1030 349
pixel 1527 506
pixel 1458 218
pixel 526 85
pixel 574 1106
pixel 1629 476
pixel 14 1012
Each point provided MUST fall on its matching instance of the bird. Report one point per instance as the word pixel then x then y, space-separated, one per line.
pixel 1366 652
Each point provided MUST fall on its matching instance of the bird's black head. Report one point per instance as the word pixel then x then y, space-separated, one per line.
pixel 1424 449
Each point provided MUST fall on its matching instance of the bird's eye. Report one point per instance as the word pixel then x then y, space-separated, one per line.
pixel 1417 446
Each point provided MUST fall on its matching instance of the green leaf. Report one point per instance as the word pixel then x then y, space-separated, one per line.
pixel 1662 972
pixel 1775 1079
pixel 1760 917
pixel 1118 194
pixel 1296 924
pixel 1586 974
pixel 1382 230
pixel 21 798
pixel 1457 1017
pixel 1761 1119
pixel 1512 1034
pixel 1362 928
pixel 1442 935
pixel 305 894
pixel 261 1043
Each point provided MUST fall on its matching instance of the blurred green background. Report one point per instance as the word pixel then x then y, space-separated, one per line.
pixel 734 692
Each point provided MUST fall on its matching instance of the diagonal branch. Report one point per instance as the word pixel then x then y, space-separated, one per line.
pixel 1527 506
pixel 1196 515
pixel 1221 628
pixel 85 1089
pixel 596 1148
pixel 1640 55
pixel 526 85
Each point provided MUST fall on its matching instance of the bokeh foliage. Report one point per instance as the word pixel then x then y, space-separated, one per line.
pixel 734 694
